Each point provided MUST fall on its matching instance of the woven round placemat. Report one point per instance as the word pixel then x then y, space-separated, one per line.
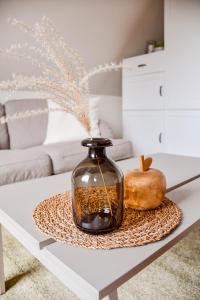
pixel 53 217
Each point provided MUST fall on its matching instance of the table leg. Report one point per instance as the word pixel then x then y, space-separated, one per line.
pixel 112 296
pixel 2 279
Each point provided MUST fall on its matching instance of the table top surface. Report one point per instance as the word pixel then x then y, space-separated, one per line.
pixel 100 269
pixel 26 195
pixel 103 269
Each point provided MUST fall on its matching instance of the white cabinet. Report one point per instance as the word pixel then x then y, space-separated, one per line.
pixel 161 91
pixel 145 130
pixel 143 102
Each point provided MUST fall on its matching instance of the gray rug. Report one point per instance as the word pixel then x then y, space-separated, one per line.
pixel 175 275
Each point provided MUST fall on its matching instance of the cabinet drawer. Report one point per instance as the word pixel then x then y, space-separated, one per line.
pixel 144 64
pixel 143 92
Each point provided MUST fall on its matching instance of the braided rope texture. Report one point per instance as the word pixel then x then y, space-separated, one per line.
pixel 53 217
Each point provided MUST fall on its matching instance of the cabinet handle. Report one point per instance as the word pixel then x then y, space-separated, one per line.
pixel 142 65
pixel 160 137
pixel 161 90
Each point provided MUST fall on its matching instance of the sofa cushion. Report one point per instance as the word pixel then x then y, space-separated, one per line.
pixel 32 129
pixel 4 138
pixel 19 165
pixel 66 155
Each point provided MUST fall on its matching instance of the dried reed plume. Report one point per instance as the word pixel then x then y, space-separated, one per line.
pixel 63 79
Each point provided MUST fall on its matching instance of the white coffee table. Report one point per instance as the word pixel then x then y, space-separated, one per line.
pixel 94 274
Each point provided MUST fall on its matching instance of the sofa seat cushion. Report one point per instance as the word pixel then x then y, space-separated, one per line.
pixel 20 165
pixel 66 155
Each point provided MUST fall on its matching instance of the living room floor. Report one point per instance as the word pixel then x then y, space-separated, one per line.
pixel 175 275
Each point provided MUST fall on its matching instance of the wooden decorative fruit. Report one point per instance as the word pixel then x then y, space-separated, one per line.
pixel 144 187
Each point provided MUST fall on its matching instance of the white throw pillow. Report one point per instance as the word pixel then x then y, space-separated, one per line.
pixel 64 126
pixel 105 130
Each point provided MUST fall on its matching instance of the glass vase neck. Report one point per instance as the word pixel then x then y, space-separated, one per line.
pixel 96 147
pixel 95 153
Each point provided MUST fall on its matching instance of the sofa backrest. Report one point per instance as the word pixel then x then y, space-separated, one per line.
pixel 110 108
pixel 33 129
pixel 30 131
pixel 4 137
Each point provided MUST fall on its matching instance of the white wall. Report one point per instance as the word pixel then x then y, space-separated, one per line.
pixel 102 30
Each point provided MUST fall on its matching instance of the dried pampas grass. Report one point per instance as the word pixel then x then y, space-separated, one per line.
pixel 64 78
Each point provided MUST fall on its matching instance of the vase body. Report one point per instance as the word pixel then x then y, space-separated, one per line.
pixel 97 190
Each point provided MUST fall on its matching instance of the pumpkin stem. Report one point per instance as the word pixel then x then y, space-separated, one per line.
pixel 142 168
pixel 145 164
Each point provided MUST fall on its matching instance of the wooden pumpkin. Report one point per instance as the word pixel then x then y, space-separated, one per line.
pixel 144 187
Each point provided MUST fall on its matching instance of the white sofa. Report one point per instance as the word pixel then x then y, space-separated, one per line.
pixel 23 155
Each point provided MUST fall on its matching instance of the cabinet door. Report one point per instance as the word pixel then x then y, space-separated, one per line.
pixel 143 92
pixel 144 129
pixel 182 43
pixel 182 132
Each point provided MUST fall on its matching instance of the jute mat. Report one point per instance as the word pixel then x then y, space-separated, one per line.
pixel 53 217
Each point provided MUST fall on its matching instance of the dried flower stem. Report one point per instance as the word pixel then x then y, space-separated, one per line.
pixel 64 79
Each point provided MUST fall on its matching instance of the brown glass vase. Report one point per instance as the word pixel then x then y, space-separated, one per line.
pixel 97 190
